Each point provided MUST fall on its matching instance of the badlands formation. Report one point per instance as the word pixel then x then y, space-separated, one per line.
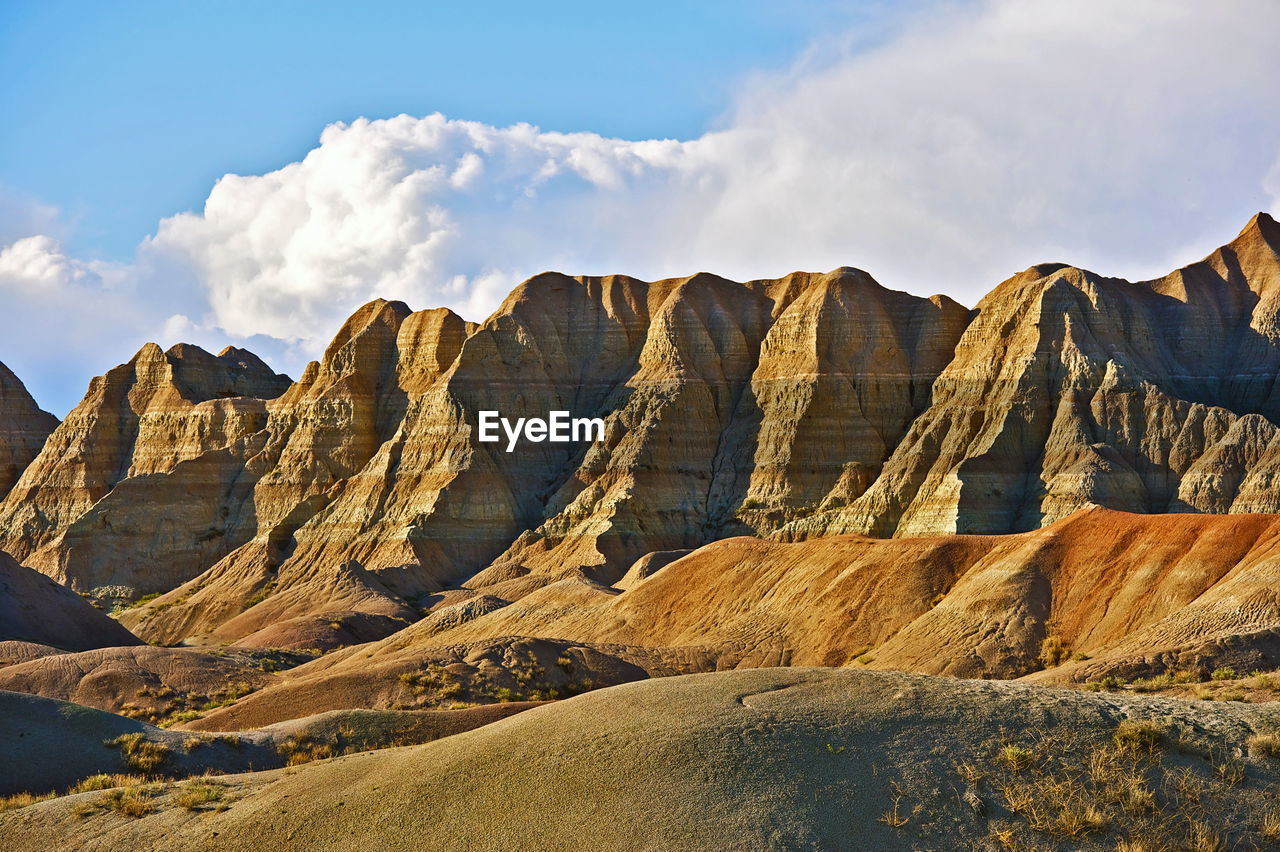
pixel 1072 483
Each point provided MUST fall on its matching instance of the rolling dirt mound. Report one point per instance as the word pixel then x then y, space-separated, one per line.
pixel 504 669
pixel 13 652
pixel 35 609
pixel 146 683
pixel 762 759
pixel 1100 584
pixel 961 605
pixel 52 745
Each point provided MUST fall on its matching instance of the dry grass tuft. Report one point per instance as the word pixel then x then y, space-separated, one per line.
pixel 1230 770
pixel 303 749
pixel 1202 838
pixel 132 802
pixel 197 794
pixel 21 800
pixel 1017 757
pixel 1265 745
pixel 1053 652
pixel 106 782
pixel 140 754
pixel 1270 827
pixel 1138 736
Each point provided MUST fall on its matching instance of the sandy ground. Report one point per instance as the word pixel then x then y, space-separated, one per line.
pixel 752 759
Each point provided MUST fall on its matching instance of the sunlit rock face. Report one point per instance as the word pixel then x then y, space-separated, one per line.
pixel 798 407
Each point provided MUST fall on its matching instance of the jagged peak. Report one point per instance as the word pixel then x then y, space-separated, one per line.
pixel 188 350
pixel 1263 226
pixel 380 312
pixel 431 339
pixel 1044 270
pixel 148 352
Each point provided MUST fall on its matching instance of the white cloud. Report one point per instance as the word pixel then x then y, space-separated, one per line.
pixel 65 319
pixel 428 210
pixel 975 142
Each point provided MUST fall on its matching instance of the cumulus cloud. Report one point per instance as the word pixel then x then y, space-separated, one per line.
pixel 61 315
pixel 978 140
pixel 424 209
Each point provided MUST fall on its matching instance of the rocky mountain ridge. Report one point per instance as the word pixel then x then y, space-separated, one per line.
pixel 798 407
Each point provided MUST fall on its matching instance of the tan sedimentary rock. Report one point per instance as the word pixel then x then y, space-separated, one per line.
pixel 135 487
pixel 23 428
pixel 749 405
pixel 804 406
pixel 1069 389
pixel 371 470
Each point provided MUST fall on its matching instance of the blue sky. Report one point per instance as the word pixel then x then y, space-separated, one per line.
pixel 250 173
pixel 121 114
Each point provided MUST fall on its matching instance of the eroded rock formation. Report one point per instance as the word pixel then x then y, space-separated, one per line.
pixel 354 501
pixel 23 428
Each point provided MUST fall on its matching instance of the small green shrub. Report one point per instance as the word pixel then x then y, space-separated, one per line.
pixel 1017 757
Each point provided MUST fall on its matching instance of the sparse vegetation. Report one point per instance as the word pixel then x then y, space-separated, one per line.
pixel 1017 757
pixel 21 800
pixel 1264 744
pixel 1053 652
pixel 302 748
pixel 197 794
pixel 166 707
pixel 106 782
pixel 134 801
pixel 892 817
pixel 1131 791
pixel 1141 736
pixel 1230 770
pixel 1202 838
pixel 140 754
pixel 262 595
pixel 1270 827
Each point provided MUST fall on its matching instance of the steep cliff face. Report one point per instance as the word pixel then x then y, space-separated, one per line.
pixel 370 470
pixel 798 407
pixel 23 428
pixel 136 486
pixel 1070 389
